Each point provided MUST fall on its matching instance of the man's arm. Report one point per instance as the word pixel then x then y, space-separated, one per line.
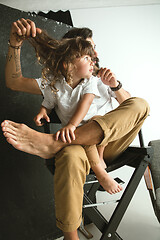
pixel 13 73
pixel 122 95
pixel 109 78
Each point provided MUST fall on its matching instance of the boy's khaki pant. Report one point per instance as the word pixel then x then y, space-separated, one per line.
pixel 120 127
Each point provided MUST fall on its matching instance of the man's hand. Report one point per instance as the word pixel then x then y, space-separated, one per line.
pixel 66 133
pixel 22 29
pixel 108 77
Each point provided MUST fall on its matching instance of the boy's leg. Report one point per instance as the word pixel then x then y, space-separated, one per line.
pixel 100 150
pixel 106 181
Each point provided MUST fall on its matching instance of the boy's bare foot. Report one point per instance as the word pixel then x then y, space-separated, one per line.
pixel 28 140
pixel 106 181
pixel 109 184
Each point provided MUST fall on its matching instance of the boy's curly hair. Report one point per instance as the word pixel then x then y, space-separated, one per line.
pixel 52 54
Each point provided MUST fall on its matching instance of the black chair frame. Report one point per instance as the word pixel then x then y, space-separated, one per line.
pixel 138 158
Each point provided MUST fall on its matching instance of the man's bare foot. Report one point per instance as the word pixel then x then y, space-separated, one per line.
pixel 28 140
pixel 106 181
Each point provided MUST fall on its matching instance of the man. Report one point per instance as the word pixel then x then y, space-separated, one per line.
pixel 115 130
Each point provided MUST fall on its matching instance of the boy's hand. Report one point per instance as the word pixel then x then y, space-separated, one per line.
pixel 39 117
pixel 67 133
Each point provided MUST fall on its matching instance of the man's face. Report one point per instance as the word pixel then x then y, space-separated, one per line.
pixel 96 61
pixel 93 45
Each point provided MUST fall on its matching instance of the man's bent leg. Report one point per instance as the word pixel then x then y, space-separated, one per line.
pixel 25 139
pixel 111 127
pixel 115 148
pixel 122 136
pixel 71 168
pixel 123 122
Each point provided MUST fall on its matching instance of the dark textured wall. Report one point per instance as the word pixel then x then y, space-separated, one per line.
pixel 26 185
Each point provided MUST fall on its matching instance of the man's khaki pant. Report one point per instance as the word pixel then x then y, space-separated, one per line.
pixel 120 127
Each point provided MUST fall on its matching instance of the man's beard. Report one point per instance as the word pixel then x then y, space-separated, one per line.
pixel 96 67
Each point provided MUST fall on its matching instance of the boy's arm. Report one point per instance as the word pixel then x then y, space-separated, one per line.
pixel 67 133
pixel 82 109
pixel 43 114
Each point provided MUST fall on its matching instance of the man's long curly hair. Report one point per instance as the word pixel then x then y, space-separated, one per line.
pixel 52 54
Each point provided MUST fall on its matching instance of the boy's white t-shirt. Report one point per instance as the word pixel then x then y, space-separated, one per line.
pixel 65 101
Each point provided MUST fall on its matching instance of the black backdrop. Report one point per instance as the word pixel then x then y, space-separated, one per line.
pixel 26 185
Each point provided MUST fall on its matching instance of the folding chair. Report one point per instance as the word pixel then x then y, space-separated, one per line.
pixel 137 157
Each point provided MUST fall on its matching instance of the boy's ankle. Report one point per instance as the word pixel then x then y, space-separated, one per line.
pixel 98 170
pixel 103 164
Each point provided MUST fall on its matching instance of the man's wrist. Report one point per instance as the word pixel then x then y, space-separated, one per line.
pixel 14 46
pixel 119 86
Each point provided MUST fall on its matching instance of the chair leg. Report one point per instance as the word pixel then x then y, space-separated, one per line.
pixel 108 229
pixel 90 188
pixel 121 208
pixel 97 218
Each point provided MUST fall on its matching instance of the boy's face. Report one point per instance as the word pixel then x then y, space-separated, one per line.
pixel 83 67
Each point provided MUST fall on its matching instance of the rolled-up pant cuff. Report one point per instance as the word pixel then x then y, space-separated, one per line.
pixel 68 227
